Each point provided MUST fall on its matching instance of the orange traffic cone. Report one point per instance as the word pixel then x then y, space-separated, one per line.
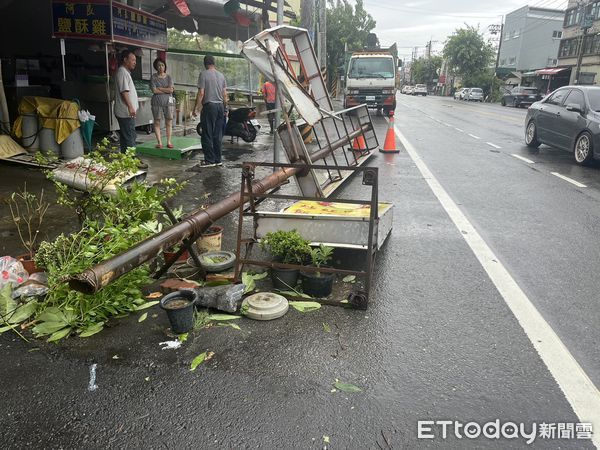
pixel 359 144
pixel 389 145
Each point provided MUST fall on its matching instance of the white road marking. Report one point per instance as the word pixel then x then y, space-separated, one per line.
pixel 447 124
pixel 493 145
pixel 579 390
pixel 528 161
pixel 570 180
pixel 458 129
pixel 473 136
pixel 92 386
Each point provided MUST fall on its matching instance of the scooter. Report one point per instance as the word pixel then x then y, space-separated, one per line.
pixel 241 123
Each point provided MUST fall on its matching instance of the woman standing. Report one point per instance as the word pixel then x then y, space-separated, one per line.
pixel 162 100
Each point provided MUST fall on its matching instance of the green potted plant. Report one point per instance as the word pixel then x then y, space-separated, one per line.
pixel 27 211
pixel 317 284
pixel 288 247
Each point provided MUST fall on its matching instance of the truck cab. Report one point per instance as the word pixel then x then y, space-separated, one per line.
pixel 371 79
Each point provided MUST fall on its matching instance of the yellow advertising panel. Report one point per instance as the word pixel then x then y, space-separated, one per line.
pixel 334 209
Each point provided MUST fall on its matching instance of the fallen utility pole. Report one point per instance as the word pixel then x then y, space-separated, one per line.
pixel 99 276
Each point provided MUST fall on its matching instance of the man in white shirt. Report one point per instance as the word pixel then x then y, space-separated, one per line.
pixel 126 100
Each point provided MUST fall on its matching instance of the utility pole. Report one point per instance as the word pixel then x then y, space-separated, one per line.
pixel 278 104
pixel 586 23
pixel 494 30
pixel 323 36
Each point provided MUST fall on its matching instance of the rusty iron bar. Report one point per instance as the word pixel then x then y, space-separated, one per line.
pixel 101 275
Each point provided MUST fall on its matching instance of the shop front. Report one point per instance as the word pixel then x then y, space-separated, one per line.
pixel 108 27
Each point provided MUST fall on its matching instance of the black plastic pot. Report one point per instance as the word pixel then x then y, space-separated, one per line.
pixel 284 279
pixel 319 286
pixel 179 306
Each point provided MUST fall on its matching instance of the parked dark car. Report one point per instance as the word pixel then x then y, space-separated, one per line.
pixel 569 119
pixel 521 96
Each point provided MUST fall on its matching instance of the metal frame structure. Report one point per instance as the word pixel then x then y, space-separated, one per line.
pixel 358 299
pixel 285 56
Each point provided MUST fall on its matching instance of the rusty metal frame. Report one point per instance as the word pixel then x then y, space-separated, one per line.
pixel 358 299
pixel 186 244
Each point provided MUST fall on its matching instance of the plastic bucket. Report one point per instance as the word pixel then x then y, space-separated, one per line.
pixel 31 139
pixel 179 306
pixel 72 147
pixel 210 240
pixel 48 141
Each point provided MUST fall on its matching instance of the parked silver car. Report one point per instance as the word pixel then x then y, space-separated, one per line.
pixel 460 93
pixel 569 118
pixel 420 89
pixel 474 95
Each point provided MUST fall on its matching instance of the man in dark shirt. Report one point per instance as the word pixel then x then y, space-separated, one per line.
pixel 212 95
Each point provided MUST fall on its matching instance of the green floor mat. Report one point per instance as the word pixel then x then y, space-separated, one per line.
pixel 181 145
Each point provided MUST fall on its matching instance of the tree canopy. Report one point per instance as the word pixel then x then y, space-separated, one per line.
pixel 346 25
pixel 467 52
pixel 425 70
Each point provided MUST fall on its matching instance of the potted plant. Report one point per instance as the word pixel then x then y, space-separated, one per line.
pixel 317 284
pixel 288 247
pixel 27 211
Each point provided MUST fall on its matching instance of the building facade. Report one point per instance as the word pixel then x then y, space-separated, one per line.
pixel 580 44
pixel 530 39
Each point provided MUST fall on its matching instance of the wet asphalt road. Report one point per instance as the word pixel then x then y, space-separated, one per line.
pixel 438 342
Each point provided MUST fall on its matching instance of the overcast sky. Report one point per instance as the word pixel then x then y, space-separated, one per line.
pixel 412 23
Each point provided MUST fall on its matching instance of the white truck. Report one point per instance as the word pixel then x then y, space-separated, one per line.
pixel 371 78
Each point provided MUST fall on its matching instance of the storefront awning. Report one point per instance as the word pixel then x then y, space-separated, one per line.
pixel 209 17
pixel 552 70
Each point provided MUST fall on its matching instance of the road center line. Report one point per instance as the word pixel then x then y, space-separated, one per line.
pixel 458 129
pixel 570 180
pixel 579 390
pixel 473 136
pixel 528 161
pixel 493 145
pixel 447 124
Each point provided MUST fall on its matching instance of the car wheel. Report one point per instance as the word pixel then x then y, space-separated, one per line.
pixel 515 103
pixel 503 102
pixel 531 138
pixel 583 151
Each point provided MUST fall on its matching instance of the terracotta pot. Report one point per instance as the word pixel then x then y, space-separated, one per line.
pixel 29 263
pixel 169 256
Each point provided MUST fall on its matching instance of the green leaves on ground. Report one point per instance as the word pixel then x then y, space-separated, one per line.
pixel 7 304
pixel 59 334
pixel 326 328
pixel 346 387
pixel 232 325
pixel 146 305
pixel 202 357
pixel 349 279
pixel 203 319
pixel 305 306
pixel 249 280
pixel 294 294
pixel 92 329
pixel 221 317
pixel 143 317
pixel 23 312
pixel 197 361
